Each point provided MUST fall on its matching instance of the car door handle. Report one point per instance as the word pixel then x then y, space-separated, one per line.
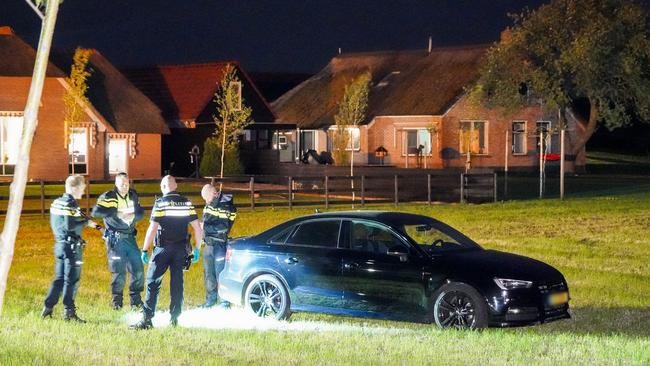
pixel 291 260
pixel 350 266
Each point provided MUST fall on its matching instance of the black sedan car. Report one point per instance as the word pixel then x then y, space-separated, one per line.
pixel 388 265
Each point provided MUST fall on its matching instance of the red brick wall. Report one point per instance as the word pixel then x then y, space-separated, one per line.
pixel 147 161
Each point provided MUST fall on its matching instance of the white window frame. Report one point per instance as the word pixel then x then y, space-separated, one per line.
pixel 9 115
pixel 524 133
pixel 486 138
pixel 72 163
pixel 405 140
pixel 126 152
pixel 547 135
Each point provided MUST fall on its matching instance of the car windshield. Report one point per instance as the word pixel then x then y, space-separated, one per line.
pixel 434 236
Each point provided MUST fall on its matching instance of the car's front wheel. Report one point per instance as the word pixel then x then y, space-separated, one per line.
pixel 457 305
pixel 267 297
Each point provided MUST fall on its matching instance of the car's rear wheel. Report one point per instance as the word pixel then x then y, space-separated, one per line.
pixel 267 297
pixel 458 305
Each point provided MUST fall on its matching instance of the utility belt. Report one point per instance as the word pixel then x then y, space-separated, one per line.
pixel 113 237
pixel 73 242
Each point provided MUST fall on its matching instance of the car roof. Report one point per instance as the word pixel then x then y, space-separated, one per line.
pixel 388 217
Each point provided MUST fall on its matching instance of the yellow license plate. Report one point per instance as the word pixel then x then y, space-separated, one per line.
pixel 558 298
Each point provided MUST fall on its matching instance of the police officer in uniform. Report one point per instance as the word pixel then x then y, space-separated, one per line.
pixel 67 221
pixel 121 210
pixel 170 217
pixel 218 217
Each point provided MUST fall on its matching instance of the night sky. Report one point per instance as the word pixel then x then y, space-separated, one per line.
pixel 264 35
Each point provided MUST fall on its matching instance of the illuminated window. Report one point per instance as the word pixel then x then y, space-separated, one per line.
pixel 78 151
pixel 117 155
pixel 473 137
pixel 354 142
pixel 417 142
pixel 10 130
pixel 519 137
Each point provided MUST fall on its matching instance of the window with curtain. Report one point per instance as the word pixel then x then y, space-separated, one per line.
pixel 473 137
pixel 519 137
pixel 10 130
pixel 78 151
pixel 415 138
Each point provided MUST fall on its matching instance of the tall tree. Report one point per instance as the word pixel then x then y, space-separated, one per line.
pixel 17 189
pixel 572 51
pixel 352 111
pixel 75 98
pixel 232 116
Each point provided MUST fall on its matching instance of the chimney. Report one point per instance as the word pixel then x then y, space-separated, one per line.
pixel 6 31
pixel 430 44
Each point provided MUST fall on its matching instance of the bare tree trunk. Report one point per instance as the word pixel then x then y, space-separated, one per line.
pixel 17 190
pixel 590 127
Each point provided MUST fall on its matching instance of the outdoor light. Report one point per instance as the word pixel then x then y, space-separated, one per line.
pixel 510 284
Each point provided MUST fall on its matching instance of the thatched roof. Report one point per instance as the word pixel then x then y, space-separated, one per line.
pixel 17 57
pixel 403 83
pixel 121 104
pixel 186 92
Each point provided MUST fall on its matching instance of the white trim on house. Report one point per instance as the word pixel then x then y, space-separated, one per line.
pixel 524 133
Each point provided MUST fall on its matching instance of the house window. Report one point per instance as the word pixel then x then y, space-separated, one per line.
pixel 354 143
pixel 117 155
pixel 78 151
pixel 10 130
pixel 473 137
pixel 544 127
pixel 307 141
pixel 417 142
pixel 519 137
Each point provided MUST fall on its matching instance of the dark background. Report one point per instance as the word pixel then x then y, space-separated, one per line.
pixel 264 35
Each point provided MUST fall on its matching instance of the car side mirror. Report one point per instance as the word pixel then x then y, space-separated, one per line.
pixel 403 257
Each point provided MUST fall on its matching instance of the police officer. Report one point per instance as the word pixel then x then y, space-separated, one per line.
pixel 67 221
pixel 121 210
pixel 218 217
pixel 168 224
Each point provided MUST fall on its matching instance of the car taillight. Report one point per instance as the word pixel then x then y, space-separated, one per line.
pixel 228 254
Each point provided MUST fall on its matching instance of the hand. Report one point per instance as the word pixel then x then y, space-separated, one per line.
pixel 92 224
pixel 144 257
pixel 196 253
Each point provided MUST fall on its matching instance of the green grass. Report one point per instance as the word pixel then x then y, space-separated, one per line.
pixel 601 245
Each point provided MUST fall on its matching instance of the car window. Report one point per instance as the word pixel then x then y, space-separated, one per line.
pixel 369 237
pixel 432 238
pixel 322 233
pixel 281 237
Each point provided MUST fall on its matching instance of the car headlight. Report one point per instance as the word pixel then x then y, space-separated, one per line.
pixel 510 284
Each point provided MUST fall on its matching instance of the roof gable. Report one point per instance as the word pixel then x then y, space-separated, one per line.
pixel 186 92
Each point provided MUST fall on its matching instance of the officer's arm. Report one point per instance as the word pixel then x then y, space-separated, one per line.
pixel 198 233
pixel 105 207
pixel 151 233
pixel 138 210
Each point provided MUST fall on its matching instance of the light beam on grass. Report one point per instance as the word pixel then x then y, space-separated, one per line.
pixel 218 318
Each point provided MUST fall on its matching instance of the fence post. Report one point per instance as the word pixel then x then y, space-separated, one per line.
pixel 42 199
pixel 396 191
pixel 212 181
pixel 290 184
pixel 429 189
pixel 251 185
pixel 363 190
pixel 88 198
pixel 495 187
pixel 462 188
pixel 327 192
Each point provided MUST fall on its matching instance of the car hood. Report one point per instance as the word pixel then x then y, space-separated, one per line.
pixel 492 263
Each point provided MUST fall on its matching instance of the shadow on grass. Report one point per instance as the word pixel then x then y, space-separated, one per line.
pixel 633 322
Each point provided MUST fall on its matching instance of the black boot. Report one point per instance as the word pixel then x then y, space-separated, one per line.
pixel 70 314
pixel 46 312
pixel 145 323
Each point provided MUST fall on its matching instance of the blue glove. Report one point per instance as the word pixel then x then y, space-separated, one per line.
pixel 144 257
pixel 196 253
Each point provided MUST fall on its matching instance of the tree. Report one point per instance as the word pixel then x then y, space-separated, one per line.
pixel 233 114
pixel 75 98
pixel 569 51
pixel 352 111
pixel 211 162
pixel 17 189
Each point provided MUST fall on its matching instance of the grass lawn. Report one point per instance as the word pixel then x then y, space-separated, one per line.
pixel 601 244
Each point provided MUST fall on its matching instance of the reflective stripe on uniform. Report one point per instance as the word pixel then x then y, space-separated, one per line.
pixel 58 208
pixel 220 213
pixel 107 202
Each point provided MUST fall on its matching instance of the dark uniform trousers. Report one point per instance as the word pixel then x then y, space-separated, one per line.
pixel 170 257
pixel 123 256
pixel 214 255
pixel 67 271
